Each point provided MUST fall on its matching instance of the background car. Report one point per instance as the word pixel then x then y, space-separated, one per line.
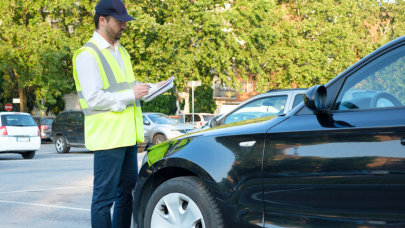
pixel 177 119
pixel 199 119
pixel 335 160
pixel 161 127
pixel 68 131
pixel 208 124
pixel 19 134
pixel 271 103
pixel 45 126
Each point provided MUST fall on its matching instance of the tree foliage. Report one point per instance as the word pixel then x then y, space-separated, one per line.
pixel 35 57
pixel 203 100
pixel 282 43
pixel 165 103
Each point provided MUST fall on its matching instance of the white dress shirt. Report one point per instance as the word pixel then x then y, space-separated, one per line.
pixel 92 84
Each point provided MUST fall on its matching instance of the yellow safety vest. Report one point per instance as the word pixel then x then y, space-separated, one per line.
pixel 105 130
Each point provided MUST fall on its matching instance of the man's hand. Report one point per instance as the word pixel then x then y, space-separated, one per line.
pixel 140 90
pixel 162 82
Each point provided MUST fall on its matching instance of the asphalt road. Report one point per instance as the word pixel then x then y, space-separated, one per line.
pixel 49 191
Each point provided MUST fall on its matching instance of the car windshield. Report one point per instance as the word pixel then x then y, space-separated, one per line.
pixel 208 117
pixel 160 119
pixel 17 120
pixel 46 121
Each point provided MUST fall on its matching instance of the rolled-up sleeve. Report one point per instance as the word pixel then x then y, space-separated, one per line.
pixel 92 84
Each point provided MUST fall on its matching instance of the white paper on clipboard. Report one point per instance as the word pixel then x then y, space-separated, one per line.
pixel 162 89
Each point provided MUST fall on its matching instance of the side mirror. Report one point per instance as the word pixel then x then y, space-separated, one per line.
pixel 315 98
pixel 214 123
pixel 146 122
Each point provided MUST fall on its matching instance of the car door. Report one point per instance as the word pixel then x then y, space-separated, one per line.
pixel 80 128
pixel 344 168
pixel 61 121
pixel 70 127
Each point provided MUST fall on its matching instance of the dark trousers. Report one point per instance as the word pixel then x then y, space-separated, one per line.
pixel 115 175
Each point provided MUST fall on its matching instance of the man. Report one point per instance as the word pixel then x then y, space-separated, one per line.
pixel 109 97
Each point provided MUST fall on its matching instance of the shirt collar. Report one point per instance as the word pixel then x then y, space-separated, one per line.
pixel 102 43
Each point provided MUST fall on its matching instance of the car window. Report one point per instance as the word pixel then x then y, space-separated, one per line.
pixel 196 118
pixel 379 84
pixel 298 99
pixel 268 106
pixel 37 121
pixel 160 119
pixel 61 118
pixel 17 120
pixel 80 118
pixel 46 121
pixel 145 119
pixel 208 117
pixel 188 118
pixel 71 119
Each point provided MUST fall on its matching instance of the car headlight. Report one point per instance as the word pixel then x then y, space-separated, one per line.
pixel 145 159
pixel 176 133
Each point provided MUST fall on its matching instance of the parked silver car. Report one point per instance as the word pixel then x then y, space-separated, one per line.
pixel 161 127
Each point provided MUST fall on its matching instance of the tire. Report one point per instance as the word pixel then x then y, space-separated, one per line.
pixel 158 139
pixel 174 197
pixel 28 155
pixel 61 145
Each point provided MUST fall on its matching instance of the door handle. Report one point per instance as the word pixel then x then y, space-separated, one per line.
pixel 403 141
pixel 247 144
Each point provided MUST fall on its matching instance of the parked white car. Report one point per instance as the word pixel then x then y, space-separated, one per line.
pixel 19 134
pixel 199 119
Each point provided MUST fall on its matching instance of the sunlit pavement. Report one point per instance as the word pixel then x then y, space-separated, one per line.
pixel 50 190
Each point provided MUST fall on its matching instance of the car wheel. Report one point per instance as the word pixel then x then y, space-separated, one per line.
pixel 61 145
pixel 159 139
pixel 183 202
pixel 28 155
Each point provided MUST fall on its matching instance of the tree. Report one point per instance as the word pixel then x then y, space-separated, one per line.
pixel 165 103
pixel 203 99
pixel 36 57
pixel 282 43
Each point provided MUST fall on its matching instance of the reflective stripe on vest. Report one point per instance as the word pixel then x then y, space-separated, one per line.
pixel 114 86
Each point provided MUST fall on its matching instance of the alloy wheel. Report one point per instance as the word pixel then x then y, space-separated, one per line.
pixel 176 210
pixel 159 140
pixel 60 144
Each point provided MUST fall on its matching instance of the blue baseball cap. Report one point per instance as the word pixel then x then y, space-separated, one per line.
pixel 114 8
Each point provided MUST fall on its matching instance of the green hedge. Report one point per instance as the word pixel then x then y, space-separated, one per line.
pixel 204 101
pixel 165 103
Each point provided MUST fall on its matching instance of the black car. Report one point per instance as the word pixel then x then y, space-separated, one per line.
pixel 68 131
pixel 44 125
pixel 335 160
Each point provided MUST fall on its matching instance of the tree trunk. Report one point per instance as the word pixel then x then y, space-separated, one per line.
pixel 22 93
pixel 187 102
pixel 23 99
